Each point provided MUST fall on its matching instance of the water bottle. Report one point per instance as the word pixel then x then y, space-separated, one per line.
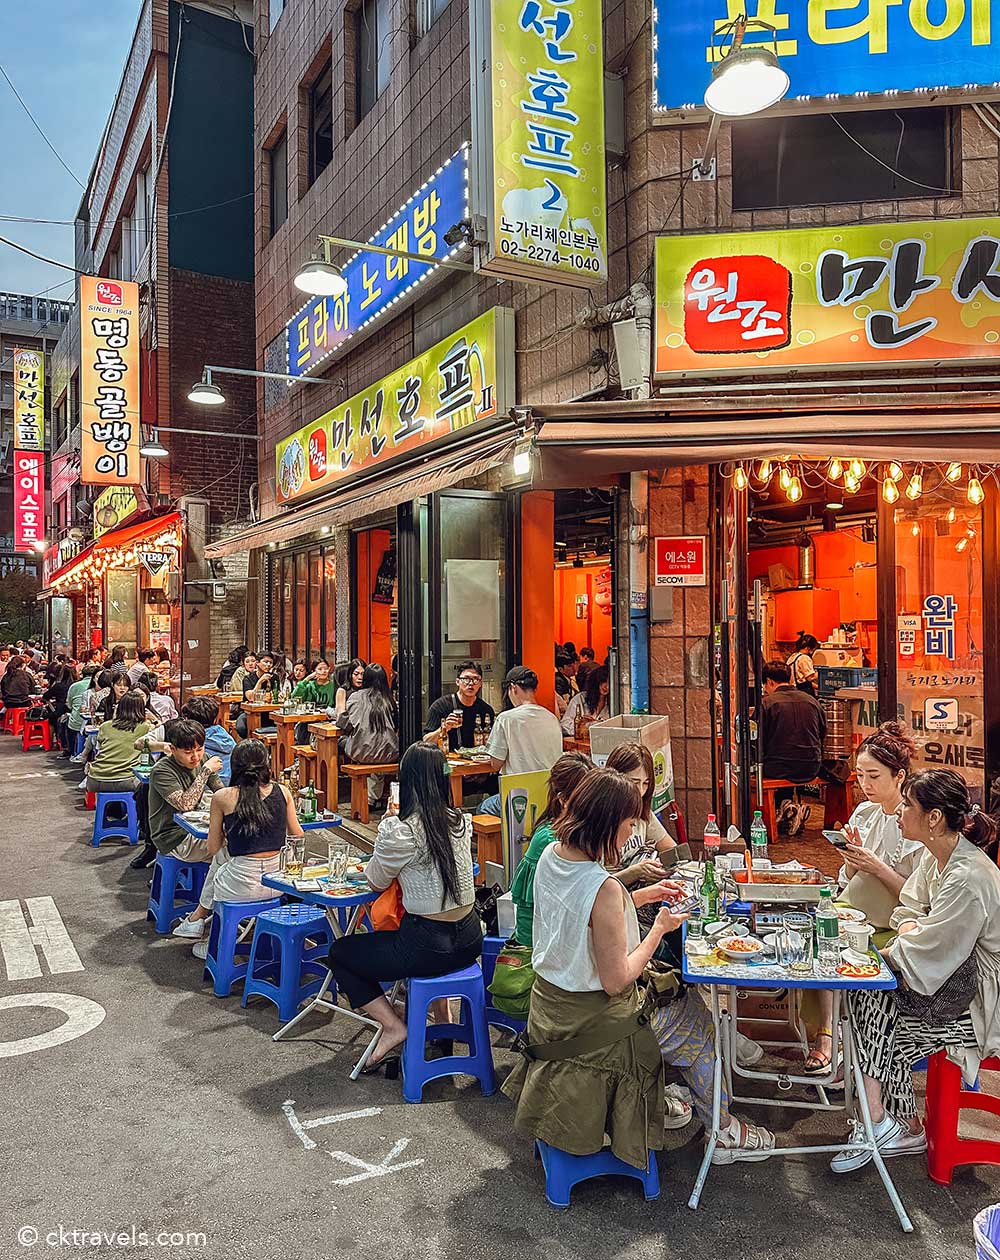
pixel 758 836
pixel 713 838
pixel 827 934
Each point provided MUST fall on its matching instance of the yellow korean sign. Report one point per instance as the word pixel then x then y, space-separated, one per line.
pixel 109 381
pixel 881 294
pixel 462 381
pixel 538 116
pixel 29 400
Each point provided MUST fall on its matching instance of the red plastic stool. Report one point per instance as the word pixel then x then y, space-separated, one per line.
pixel 13 721
pixel 946 1098
pixel 90 800
pixel 36 733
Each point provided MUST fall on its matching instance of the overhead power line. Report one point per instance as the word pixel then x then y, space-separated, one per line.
pixel 38 128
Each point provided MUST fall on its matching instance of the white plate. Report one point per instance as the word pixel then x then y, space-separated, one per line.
pixel 741 955
pixel 847 914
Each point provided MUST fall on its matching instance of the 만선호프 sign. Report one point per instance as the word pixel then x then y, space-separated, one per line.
pixel 540 179
pixel 109 381
pixel 833 49
pixel 821 297
pixel 377 283
pixel 462 381
pixel 679 562
pixel 29 499
pixel 29 399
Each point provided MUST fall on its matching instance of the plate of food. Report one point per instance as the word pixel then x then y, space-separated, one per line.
pixel 859 971
pixel 740 948
pixel 847 914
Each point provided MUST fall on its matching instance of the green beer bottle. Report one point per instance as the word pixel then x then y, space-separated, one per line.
pixel 709 892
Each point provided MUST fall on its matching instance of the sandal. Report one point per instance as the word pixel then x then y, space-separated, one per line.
pixel 676 1113
pixel 755 1144
pixel 817 1063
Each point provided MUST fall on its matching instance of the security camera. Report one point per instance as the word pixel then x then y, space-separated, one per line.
pixel 458 234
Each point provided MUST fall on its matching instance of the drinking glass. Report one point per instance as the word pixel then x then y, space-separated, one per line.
pixel 293 855
pixel 798 943
pixel 338 854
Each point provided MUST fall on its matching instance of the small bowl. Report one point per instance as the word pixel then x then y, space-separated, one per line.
pixel 740 948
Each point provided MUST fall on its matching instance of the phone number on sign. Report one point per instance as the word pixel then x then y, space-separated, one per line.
pixel 542 253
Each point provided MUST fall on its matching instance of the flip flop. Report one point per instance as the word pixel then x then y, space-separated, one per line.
pixel 391 1064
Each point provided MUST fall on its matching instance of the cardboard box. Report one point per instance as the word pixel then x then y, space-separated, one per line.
pixel 638 728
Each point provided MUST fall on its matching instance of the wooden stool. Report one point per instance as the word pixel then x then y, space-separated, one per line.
pixel 305 756
pixel 358 775
pixel 272 742
pixel 487 831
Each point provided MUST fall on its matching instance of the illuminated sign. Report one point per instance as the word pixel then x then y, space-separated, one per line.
pixel 833 49
pixel 29 400
pixel 879 294
pixel 538 115
pixel 113 507
pixel 29 499
pixel 378 284
pixel 462 381
pixel 109 381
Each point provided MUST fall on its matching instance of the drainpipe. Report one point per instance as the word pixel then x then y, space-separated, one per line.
pixel 638 304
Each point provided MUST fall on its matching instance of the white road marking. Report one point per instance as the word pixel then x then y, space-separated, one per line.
pixel 49 933
pixel 20 957
pixel 36 774
pixel 83 1016
pixel 299 1127
pixel 374 1170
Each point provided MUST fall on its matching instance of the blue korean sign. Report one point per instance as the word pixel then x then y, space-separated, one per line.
pixel 376 282
pixel 832 48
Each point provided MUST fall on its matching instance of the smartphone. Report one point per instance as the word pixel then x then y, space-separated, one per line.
pixel 836 838
pixel 684 906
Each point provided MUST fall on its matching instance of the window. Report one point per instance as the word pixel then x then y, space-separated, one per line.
pixel 428 12
pixel 113 269
pixel 60 423
pixel 275 10
pixel 821 159
pixel 372 48
pixel 140 215
pixel 128 248
pixel 321 123
pixel 278 163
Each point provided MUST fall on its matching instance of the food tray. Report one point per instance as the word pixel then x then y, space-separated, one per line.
pixel 782 894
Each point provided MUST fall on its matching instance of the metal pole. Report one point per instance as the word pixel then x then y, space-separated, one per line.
pixel 426 259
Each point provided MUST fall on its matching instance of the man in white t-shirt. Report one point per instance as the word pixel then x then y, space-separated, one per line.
pixel 524 738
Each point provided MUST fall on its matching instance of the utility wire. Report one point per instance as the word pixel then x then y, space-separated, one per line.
pixel 41 257
pixel 38 127
pixel 892 170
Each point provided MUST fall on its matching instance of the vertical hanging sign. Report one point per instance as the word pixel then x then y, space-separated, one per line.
pixel 29 499
pixel 29 400
pixel 540 181
pixel 109 381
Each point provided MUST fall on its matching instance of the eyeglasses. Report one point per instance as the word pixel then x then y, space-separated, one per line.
pixel 471 680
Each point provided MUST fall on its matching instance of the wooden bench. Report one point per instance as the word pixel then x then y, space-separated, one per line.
pixel 358 775
pixel 271 741
pixel 487 833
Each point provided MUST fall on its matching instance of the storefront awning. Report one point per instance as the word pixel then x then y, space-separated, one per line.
pixel 375 494
pixel 575 450
pixel 113 540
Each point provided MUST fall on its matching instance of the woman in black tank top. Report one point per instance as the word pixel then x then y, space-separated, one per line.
pixel 253 815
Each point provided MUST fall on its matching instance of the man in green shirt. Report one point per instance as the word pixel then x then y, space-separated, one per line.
pixel 176 784
pixel 75 721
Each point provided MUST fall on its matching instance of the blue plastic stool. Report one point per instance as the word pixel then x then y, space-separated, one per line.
pixel 226 961
pixel 473 1032
pixel 176 888
pixel 128 827
pixel 281 960
pixel 492 948
pixel 563 1171
pixel 79 743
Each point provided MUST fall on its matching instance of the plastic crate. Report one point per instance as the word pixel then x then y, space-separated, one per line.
pixel 834 677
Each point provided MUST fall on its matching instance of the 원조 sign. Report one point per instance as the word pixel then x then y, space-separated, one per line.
pixel 109 381
pixel 538 117
pixel 376 283
pixel 29 399
pixel 820 297
pixel 462 381
pixel 833 50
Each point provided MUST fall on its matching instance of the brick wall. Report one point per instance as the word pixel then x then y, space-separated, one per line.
pixel 211 321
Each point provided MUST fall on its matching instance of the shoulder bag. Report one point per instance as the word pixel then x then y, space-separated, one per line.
pixel 951 1001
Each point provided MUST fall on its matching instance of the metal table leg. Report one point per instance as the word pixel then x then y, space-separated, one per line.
pixel 713 1137
pixel 866 1120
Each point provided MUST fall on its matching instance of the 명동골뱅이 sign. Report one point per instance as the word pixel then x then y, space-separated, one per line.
pixel 821 297
pixel 109 381
pixel 540 179
pixel 462 381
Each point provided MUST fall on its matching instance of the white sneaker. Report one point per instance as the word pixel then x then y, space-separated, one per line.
pixel 192 929
pixel 201 949
pixel 891 1138
pixel 748 1053
pixel 82 787
pixel 78 760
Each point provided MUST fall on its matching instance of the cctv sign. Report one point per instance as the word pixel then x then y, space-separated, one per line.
pixel 680 562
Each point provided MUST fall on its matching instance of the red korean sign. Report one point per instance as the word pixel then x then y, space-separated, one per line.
pixel 679 562
pixel 29 499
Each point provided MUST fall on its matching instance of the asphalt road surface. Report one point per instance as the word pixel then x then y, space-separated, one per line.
pixel 143 1116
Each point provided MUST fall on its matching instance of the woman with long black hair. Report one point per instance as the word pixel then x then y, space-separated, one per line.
pixel 369 727
pixel 248 823
pixel 428 848
pixel 350 679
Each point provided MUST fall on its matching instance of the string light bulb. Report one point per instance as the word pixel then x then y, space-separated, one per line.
pixel 794 490
pixel 784 478
pixel 890 491
pixel 954 472
pixel 952 514
pixel 835 470
pixel 896 471
pixel 962 544
pixel 915 529
pixel 858 468
pixel 764 470
pixel 975 493
pixel 851 483
pixel 740 478
pixel 915 487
